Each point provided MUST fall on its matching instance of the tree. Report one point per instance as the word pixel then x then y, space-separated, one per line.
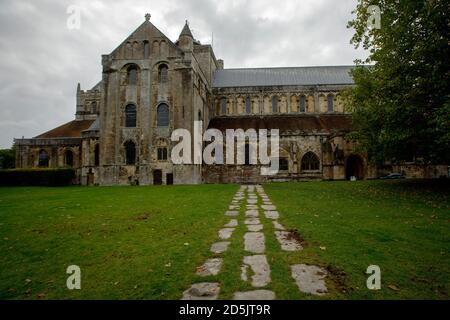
pixel 8 158
pixel 401 98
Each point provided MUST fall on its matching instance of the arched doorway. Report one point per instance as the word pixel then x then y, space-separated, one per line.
pixel 354 166
pixel 157 177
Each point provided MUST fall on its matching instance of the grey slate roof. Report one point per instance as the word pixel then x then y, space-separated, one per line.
pixel 332 75
pixel 186 31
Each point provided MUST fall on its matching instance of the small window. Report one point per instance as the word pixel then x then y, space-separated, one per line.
pixel 163 73
pixel 43 158
pixel 146 49
pixel 330 100
pixel 162 117
pixel 97 155
pixel 274 104
pixel 310 162
pixel 283 164
pixel 248 105
pixel 223 106
pixel 199 115
pixel 132 75
pixel 130 116
pixel 130 153
pixel 94 108
pixel 162 154
pixel 247 154
pixel 302 104
pixel 68 158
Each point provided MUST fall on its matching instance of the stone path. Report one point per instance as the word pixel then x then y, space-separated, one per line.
pixel 255 268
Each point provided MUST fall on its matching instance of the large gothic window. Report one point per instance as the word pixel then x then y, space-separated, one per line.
pixel 248 105
pixel 162 116
pixel 274 104
pixel 130 153
pixel 302 104
pixel 132 75
pixel 163 73
pixel 43 158
pixel 330 100
pixel 130 116
pixel 310 162
pixel 69 158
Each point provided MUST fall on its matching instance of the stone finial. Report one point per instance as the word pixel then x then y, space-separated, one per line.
pixel 147 16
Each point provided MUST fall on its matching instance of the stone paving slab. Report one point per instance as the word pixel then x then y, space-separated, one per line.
pixel 268 207
pixel 232 213
pixel 254 242
pixel 225 233
pixel 234 207
pixel 202 291
pixel 232 223
pixel 260 270
pixel 252 201
pixel 254 227
pixel 254 295
pixel 277 225
pixel 252 207
pixel 211 267
pixel 252 213
pixel 287 242
pixel 310 278
pixel 271 214
pixel 220 247
pixel 252 221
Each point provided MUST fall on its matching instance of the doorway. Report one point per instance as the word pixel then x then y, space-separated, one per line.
pixel 157 177
pixel 354 167
pixel 169 179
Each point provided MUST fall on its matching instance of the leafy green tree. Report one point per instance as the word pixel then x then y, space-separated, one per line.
pixel 8 158
pixel 401 98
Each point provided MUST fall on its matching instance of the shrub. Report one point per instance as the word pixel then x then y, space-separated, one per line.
pixel 37 177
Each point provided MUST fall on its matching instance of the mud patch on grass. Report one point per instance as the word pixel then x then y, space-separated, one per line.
pixel 294 235
pixel 339 278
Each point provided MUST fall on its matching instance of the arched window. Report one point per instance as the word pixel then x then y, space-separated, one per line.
pixel 199 115
pixel 310 162
pixel 274 104
pixel 132 75
pixel 162 116
pixel 130 116
pixel 130 152
pixel 97 155
pixel 330 100
pixel 163 72
pixel 146 49
pixel 223 106
pixel 302 104
pixel 43 158
pixel 248 105
pixel 68 158
pixel 247 154
pixel 162 154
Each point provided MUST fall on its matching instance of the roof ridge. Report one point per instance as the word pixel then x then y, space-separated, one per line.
pixel 295 67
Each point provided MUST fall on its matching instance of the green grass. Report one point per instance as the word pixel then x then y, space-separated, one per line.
pixel 401 226
pixel 130 241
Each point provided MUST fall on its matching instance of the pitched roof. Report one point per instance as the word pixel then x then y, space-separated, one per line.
pixel 71 129
pixel 301 123
pixel 186 31
pixel 332 75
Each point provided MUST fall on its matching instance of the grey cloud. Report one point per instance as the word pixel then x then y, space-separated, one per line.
pixel 41 61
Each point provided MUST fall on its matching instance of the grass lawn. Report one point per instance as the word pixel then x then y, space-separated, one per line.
pixel 146 242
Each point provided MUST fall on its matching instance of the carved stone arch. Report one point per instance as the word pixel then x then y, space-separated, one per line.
pixel 128 50
pixel 126 75
pixel 267 104
pixel 137 52
pixel 155 48
pixel 163 48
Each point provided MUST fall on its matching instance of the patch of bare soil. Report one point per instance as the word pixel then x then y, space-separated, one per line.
pixel 141 217
pixel 339 278
pixel 294 235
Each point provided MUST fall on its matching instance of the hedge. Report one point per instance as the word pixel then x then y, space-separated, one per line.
pixel 37 177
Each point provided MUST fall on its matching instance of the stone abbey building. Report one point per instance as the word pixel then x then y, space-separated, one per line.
pixel 151 86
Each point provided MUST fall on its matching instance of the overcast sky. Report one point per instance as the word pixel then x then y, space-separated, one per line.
pixel 41 60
